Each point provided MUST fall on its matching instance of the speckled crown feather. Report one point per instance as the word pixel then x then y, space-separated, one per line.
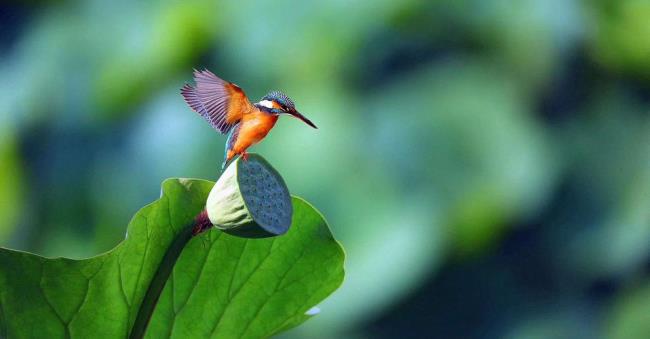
pixel 281 98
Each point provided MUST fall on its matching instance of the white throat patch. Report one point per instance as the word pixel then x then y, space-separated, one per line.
pixel 266 103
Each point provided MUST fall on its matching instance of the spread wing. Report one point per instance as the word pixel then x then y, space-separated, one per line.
pixel 220 102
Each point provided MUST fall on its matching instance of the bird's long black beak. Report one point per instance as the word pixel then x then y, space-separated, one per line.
pixel 302 117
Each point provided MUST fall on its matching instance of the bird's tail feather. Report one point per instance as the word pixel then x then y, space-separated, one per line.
pixel 230 141
pixel 225 163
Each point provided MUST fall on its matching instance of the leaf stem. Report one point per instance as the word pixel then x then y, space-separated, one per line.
pixel 198 225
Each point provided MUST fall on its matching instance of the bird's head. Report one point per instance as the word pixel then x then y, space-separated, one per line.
pixel 278 103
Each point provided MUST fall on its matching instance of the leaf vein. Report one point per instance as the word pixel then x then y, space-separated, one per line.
pixel 234 272
pixel 144 256
pixel 49 303
pixel 121 284
pixel 220 318
pixel 76 312
pixel 196 281
pixel 270 296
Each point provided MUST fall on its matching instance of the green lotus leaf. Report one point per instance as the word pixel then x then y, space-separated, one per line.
pixel 220 285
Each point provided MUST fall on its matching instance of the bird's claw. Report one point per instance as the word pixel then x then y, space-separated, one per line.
pixel 244 156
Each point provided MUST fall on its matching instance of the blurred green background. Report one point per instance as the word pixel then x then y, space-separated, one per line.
pixel 486 164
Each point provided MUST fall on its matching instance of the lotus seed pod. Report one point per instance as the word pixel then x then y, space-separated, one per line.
pixel 250 199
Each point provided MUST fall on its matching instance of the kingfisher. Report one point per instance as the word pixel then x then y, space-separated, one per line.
pixel 227 108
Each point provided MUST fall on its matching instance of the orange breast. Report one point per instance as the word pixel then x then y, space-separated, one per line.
pixel 254 127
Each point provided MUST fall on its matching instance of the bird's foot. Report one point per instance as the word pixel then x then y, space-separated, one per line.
pixel 244 156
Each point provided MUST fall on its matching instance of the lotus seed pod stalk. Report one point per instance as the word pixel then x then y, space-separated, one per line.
pixel 250 199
